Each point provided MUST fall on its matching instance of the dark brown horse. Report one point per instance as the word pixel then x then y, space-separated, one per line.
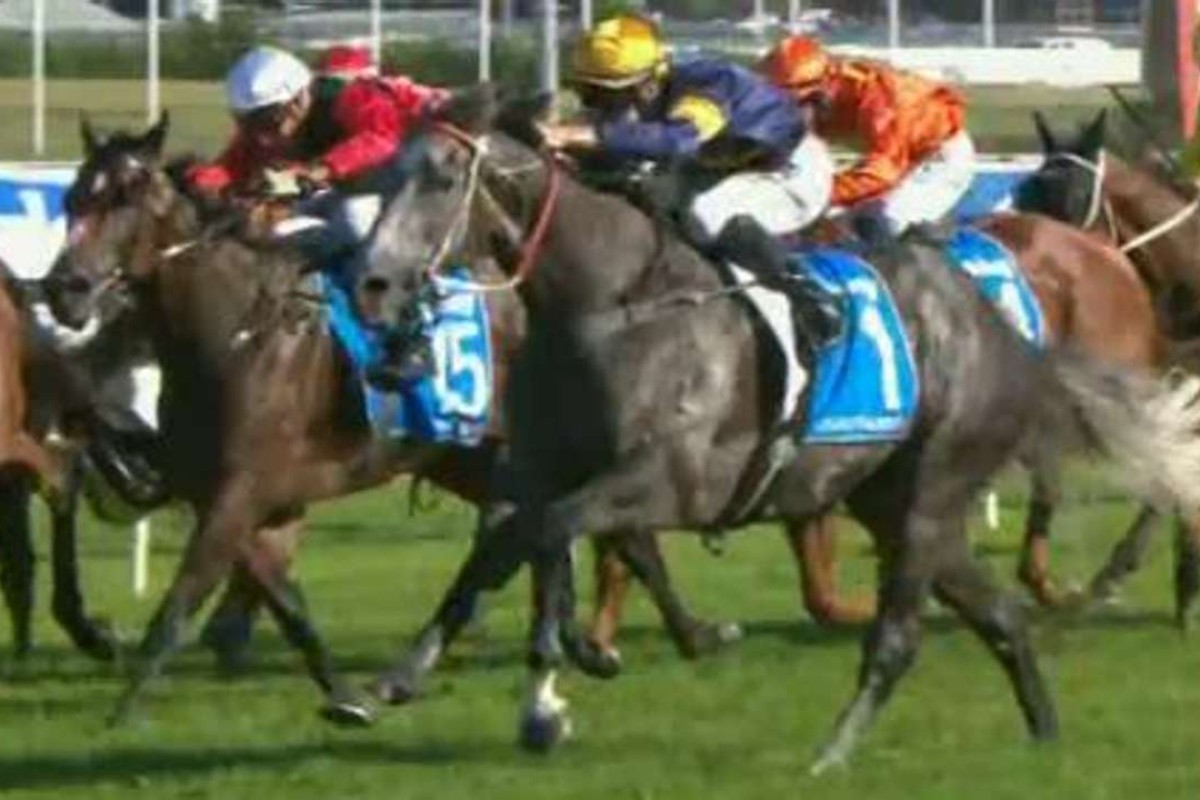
pixel 260 413
pixel 42 388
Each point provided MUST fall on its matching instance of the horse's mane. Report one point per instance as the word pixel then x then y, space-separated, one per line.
pixel 217 215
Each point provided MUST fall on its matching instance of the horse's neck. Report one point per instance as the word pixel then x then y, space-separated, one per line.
pixel 201 300
pixel 602 253
pixel 1141 202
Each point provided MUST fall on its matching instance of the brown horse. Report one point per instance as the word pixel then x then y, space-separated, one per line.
pixel 39 390
pixel 1154 219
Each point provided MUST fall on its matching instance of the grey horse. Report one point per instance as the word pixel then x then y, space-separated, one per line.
pixel 643 400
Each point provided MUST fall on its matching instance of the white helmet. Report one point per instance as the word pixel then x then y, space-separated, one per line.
pixel 265 76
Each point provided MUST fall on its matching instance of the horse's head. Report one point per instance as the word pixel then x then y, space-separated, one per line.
pixel 468 194
pixel 1069 184
pixel 115 212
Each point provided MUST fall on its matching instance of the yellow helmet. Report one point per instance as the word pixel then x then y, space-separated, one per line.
pixel 620 52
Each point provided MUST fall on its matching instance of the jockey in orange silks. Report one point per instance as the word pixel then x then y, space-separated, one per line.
pixel 917 158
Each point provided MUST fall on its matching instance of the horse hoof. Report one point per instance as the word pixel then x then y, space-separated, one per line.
pixel 542 732
pixel 710 639
pixel 394 690
pixel 348 714
pixel 98 639
pixel 598 661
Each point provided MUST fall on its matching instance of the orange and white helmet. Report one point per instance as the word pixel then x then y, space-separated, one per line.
pixel 797 63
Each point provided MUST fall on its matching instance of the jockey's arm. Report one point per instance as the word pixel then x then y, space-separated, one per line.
pixel 376 128
pixel 880 169
pixel 690 123
pixel 238 164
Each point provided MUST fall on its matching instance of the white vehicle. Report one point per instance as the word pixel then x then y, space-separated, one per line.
pixel 759 24
pixel 1083 44
pixel 814 20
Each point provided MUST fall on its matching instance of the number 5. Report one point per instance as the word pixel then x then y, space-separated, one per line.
pixel 460 369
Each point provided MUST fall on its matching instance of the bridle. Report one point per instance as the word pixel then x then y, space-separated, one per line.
pixel 530 248
pixel 1098 204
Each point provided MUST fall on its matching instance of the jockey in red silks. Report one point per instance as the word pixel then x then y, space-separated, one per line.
pixel 337 129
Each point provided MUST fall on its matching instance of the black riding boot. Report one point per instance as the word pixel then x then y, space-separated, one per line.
pixel 406 354
pixel 127 454
pixel 746 243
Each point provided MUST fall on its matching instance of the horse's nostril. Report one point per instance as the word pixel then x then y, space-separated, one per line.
pixel 375 284
pixel 77 284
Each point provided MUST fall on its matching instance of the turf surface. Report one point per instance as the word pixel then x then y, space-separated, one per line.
pixel 742 724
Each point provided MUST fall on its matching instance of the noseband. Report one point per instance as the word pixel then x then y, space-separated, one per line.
pixel 1098 203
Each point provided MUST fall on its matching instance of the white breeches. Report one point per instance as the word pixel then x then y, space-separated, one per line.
pixel 931 191
pixel 783 202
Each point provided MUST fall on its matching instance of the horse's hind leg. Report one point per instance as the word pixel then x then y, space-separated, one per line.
pixel 266 557
pixel 17 557
pixel 94 637
pixel 1126 557
pixel 612 577
pixel 230 626
pixel 814 544
pixel 1187 568
pixel 1033 566
pixel 908 559
pixel 692 637
pixel 964 585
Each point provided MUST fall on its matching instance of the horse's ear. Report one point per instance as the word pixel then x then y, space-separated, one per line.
pixel 160 193
pixel 1092 140
pixel 156 137
pixel 473 110
pixel 91 141
pixel 1049 145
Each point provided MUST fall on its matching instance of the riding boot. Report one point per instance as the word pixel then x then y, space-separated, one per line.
pixel 873 229
pixel 745 242
pixel 127 454
pixel 405 353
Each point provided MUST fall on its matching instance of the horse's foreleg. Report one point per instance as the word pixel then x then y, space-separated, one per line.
pixel 17 557
pixel 94 637
pixel 231 624
pixel 1126 556
pixel 1187 568
pixel 495 557
pixel 213 548
pixel 814 544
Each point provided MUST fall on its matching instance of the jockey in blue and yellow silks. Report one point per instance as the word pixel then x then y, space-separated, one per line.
pixel 762 176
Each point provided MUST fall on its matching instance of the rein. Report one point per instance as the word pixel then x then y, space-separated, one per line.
pixel 595 324
pixel 1098 204
pixel 531 248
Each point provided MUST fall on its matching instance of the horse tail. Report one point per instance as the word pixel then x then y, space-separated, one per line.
pixel 1147 425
